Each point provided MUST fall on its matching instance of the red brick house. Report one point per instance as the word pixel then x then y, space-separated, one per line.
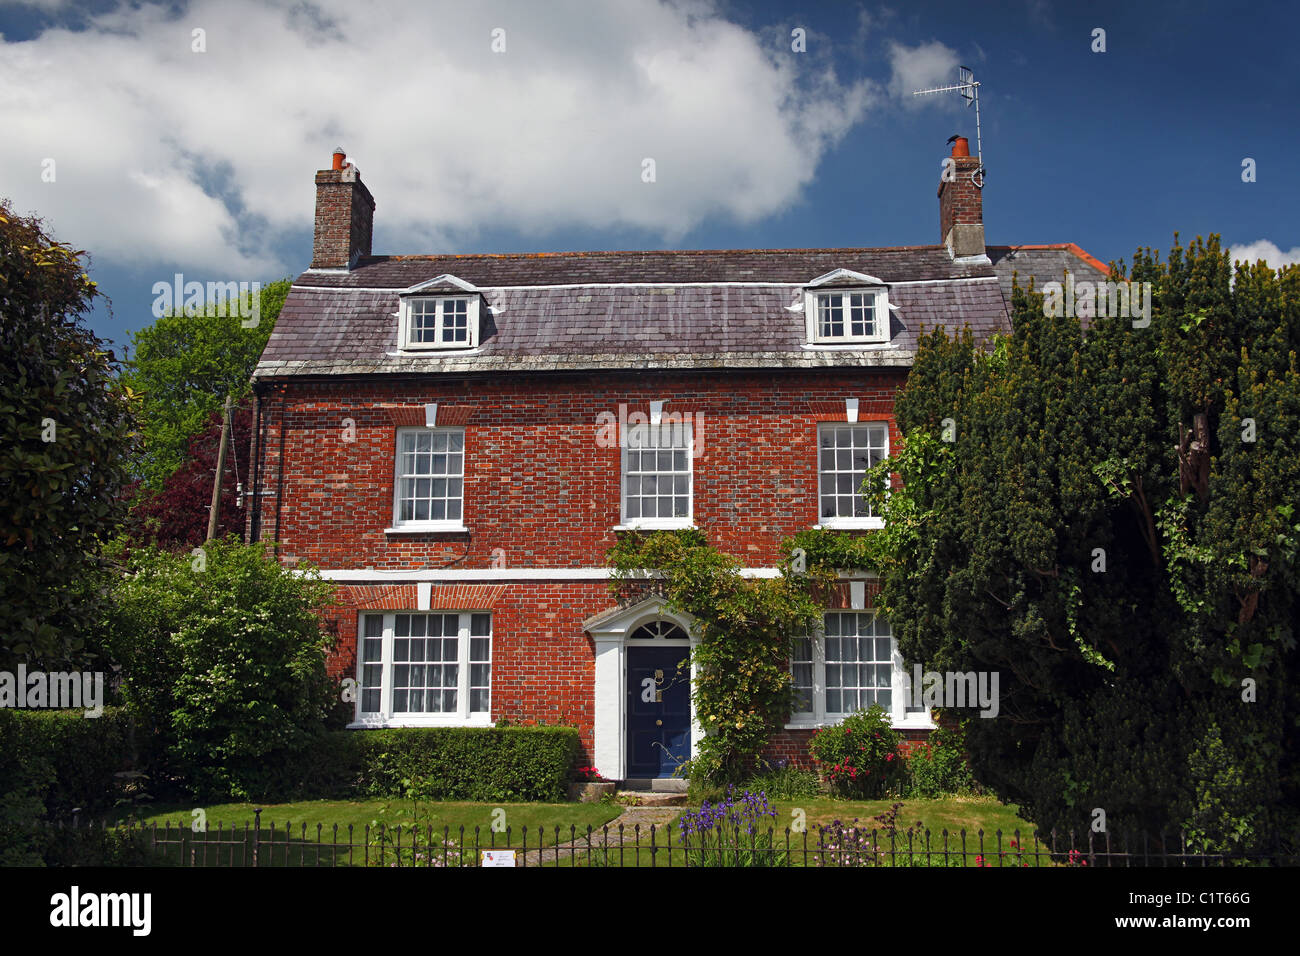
pixel 456 440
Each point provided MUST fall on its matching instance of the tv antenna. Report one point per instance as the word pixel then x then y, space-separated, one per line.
pixel 969 88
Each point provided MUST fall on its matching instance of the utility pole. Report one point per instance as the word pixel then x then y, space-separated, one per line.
pixel 221 467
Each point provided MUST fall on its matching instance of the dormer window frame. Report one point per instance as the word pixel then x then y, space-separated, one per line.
pixel 443 303
pixel 846 285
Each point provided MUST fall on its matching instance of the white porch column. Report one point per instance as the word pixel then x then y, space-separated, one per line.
pixel 608 730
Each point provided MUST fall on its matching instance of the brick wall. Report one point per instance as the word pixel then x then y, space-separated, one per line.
pixel 960 202
pixel 540 493
pixel 537 485
pixel 345 215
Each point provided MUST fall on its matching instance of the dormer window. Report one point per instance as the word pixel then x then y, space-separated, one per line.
pixel 849 317
pixel 439 323
pixel 442 313
pixel 846 308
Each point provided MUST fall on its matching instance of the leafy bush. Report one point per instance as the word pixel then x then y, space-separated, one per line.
pixel 223 659
pixel 785 782
pixel 50 763
pixel 938 767
pixel 465 763
pixel 859 757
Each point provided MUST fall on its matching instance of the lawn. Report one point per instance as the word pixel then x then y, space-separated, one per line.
pixel 301 834
pixel 813 847
pixel 298 834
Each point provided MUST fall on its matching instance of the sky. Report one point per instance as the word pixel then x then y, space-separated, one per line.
pixel 184 137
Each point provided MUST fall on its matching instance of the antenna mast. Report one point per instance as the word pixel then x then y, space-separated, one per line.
pixel 969 88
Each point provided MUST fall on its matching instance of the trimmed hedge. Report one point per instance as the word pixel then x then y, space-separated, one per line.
pixel 440 763
pixel 50 763
pixel 66 758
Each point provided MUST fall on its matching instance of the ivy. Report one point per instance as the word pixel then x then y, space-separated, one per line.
pixel 743 687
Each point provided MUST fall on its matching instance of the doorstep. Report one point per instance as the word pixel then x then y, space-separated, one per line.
pixel 655 784
pixel 650 798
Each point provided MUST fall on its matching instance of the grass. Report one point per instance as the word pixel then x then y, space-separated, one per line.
pixel 956 813
pixel 284 841
pixel 295 834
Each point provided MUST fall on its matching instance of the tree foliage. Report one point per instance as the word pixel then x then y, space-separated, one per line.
pixel 1113 528
pixel 223 659
pixel 185 364
pixel 176 515
pixel 65 428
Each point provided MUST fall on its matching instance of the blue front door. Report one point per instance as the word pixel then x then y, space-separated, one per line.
pixel 658 710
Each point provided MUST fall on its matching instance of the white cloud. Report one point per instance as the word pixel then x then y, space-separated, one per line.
pixel 205 160
pixel 923 67
pixel 1263 249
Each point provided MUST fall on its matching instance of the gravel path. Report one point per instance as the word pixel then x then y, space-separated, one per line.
pixel 621 832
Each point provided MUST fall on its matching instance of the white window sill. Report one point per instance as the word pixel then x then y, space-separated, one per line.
pixel 851 524
pixel 453 526
pixel 813 724
pixel 680 525
pixel 849 346
pixel 413 351
pixel 379 723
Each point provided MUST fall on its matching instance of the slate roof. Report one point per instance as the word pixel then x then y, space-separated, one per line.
pixel 1043 264
pixel 607 310
pixel 892 264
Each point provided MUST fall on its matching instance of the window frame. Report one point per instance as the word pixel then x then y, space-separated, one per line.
pixel 820 717
pixel 385 717
pixel 657 523
pixel 880 313
pixel 471 300
pixel 848 521
pixel 432 524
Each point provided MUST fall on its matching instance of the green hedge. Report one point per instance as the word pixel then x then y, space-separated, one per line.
pixel 67 758
pixel 441 763
pixel 50 763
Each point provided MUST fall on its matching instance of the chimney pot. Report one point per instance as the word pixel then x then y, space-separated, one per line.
pixel 339 156
pixel 960 146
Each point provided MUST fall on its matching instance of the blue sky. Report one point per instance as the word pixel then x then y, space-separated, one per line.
pixel 171 159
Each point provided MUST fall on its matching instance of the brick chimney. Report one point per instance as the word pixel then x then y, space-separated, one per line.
pixel 961 205
pixel 345 216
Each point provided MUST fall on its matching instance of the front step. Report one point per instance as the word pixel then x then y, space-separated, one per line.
pixel 650 798
pixel 656 784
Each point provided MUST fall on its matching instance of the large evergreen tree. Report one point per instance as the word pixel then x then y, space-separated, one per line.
pixel 1112 527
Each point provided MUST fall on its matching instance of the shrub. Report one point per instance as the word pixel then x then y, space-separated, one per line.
pixel 223 659
pixel 859 757
pixel 466 763
pixel 75 756
pixel 784 782
pixel 938 766
pixel 50 763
